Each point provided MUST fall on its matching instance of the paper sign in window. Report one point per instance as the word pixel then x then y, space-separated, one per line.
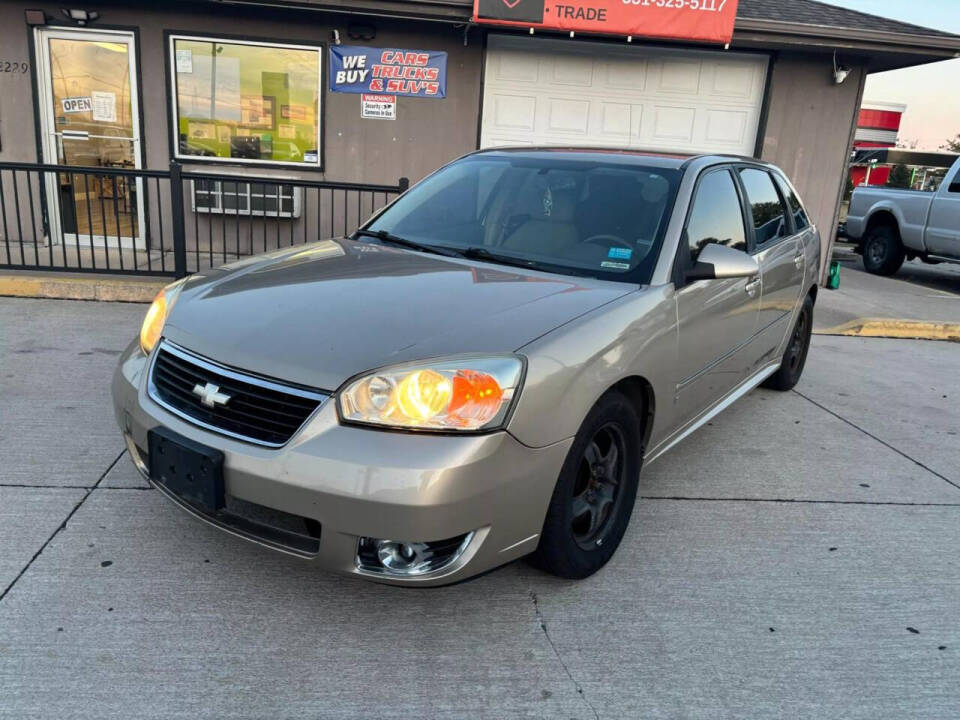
pixel 184 61
pixel 104 106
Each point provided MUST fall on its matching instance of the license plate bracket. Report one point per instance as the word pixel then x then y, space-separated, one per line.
pixel 190 470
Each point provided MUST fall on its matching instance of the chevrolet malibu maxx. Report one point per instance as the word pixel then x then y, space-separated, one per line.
pixel 480 371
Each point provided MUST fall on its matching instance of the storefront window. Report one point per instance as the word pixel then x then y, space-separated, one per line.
pixel 246 102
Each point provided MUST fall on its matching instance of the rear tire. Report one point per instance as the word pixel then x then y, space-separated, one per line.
pixel 795 354
pixel 883 252
pixel 595 493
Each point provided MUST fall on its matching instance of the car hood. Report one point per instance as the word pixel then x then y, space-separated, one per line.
pixel 322 313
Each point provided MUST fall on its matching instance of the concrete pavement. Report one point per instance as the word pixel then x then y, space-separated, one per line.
pixel 56 421
pixel 796 558
pixel 921 300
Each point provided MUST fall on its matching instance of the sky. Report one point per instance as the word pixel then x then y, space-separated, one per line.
pixel 930 92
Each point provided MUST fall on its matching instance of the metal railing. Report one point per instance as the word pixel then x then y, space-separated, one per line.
pixel 166 222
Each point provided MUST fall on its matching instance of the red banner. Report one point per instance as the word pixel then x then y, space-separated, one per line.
pixel 700 20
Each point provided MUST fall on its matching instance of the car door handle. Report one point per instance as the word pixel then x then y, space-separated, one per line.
pixel 798 261
pixel 751 287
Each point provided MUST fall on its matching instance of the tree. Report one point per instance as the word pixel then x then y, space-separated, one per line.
pixel 900 176
pixel 952 145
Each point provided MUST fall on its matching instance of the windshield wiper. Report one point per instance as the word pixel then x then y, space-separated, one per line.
pixel 481 253
pixel 385 237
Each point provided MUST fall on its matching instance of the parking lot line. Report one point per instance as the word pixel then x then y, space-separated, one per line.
pixel 59 528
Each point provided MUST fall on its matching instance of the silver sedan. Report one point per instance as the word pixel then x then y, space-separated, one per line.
pixel 480 371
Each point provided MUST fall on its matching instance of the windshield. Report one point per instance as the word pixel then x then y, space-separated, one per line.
pixel 582 217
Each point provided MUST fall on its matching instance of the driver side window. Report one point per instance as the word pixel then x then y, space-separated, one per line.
pixel 716 215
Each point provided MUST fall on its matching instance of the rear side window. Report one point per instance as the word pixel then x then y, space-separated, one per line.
pixel 800 219
pixel 769 215
pixel 716 216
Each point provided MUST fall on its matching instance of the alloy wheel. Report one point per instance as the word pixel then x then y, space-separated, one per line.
pixel 798 341
pixel 596 492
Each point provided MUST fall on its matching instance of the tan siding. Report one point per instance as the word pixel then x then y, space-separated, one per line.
pixel 809 132
pixel 426 134
pixel 17 134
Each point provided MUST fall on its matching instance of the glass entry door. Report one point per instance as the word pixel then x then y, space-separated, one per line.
pixel 90 109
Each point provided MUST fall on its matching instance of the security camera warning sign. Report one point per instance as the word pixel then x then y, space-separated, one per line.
pixel 700 20
pixel 388 71
pixel 378 107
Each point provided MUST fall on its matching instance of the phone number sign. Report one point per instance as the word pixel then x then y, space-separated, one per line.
pixel 699 20
pixel 389 71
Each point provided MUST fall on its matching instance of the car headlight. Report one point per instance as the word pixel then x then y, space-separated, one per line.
pixel 157 315
pixel 459 394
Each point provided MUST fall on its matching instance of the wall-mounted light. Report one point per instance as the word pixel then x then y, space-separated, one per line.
pixel 335 37
pixel 840 72
pixel 35 17
pixel 80 17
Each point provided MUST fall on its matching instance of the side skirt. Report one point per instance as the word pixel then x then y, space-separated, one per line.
pixel 737 393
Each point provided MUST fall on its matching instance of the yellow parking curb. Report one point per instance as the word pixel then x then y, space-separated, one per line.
pixel 72 287
pixel 889 328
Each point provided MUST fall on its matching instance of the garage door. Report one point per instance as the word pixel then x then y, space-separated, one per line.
pixel 557 92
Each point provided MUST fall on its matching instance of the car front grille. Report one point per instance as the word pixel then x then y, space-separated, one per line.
pixel 291 532
pixel 245 406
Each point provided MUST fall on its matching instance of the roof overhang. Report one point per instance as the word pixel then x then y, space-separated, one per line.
pixel 449 11
pixel 878 50
pixel 882 50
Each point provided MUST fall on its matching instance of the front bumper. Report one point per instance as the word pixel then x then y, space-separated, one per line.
pixel 356 482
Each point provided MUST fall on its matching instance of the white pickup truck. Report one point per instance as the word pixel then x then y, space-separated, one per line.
pixel 890 225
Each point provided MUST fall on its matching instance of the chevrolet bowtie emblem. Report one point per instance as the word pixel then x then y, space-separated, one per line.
pixel 210 395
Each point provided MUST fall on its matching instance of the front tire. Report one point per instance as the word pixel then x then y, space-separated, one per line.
pixel 883 252
pixel 795 355
pixel 595 493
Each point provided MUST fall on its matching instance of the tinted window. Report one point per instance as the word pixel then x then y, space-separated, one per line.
pixel 582 216
pixel 716 215
pixel 456 207
pixel 800 219
pixel 769 216
pixel 244 102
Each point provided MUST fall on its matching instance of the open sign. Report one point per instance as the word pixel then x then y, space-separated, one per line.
pixel 76 104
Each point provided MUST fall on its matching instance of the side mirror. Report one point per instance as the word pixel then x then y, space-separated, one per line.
pixel 717 262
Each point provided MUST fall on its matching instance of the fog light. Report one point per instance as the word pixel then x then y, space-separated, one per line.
pixel 402 557
pixel 394 557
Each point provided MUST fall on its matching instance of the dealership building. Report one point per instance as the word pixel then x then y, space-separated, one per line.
pixel 273 89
